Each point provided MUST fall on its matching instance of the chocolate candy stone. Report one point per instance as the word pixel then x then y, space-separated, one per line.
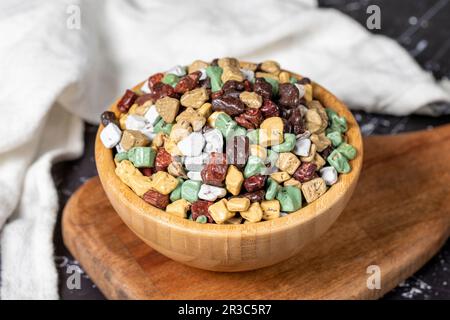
pixel 335 138
pixel 339 162
pixel 290 198
pixel 215 73
pixel 254 183
pixel 288 144
pixel 142 157
pixel 256 196
pixel 254 166
pixel 176 194
pixel 237 151
pixel 228 104
pixel 272 189
pixel 347 150
pixel 107 117
pixel 189 190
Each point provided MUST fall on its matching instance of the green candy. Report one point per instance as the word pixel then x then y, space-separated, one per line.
pixel 253 136
pixel 275 85
pixel 254 166
pixel 272 157
pixel 290 198
pixel 215 73
pixel 292 80
pixel 121 156
pixel 335 138
pixel 201 219
pixel 176 194
pixel 337 123
pixel 272 189
pixel 287 145
pixel 347 151
pixel 190 189
pixel 239 131
pixel 142 157
pixel 339 162
pixel 225 124
pixel 162 126
pixel 171 79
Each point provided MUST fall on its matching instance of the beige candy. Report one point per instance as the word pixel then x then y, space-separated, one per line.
pixel 238 204
pixel 212 118
pixel 176 169
pixel 312 154
pixel 308 92
pixel 248 65
pixel 171 147
pixel 313 189
pixel 122 120
pixel 317 106
pixel 318 161
pixel 251 99
pixel 167 108
pixel 254 213
pixel 258 151
pixel 133 138
pixel 320 140
pixel 139 110
pixel 234 180
pixel 293 182
pixel 205 110
pixel 197 65
pixel 163 182
pixel 314 122
pixel 179 208
pixel 270 66
pixel 180 130
pixel 280 176
pixel 219 211
pixel 234 220
pixel 266 75
pixel 231 69
pixel 288 162
pixel 228 62
pixel 271 209
pixel 158 140
pixel 271 132
pixel 284 76
pixel 190 115
pixel 194 98
pixel 133 178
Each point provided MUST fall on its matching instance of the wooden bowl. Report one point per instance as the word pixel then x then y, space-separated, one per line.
pixel 232 247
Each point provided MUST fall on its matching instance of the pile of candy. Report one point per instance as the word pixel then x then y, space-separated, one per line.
pixel 227 142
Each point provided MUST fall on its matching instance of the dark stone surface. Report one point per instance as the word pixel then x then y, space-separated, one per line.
pixel 423 28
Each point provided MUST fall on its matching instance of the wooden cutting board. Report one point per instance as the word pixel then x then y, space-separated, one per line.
pixel 397 219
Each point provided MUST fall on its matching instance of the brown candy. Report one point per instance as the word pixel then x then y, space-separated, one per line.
pixel 326 152
pixel 289 95
pixel 127 101
pixel 296 121
pixel 215 172
pixel 254 183
pixel 147 171
pixel 238 150
pixel 263 88
pixel 188 82
pixel 233 85
pixel 143 99
pixel 156 199
pixel 154 79
pixel 256 196
pixel 162 160
pixel 161 90
pixel 250 119
pixel 269 109
pixel 107 117
pixel 228 104
pixel 200 208
pixel 305 172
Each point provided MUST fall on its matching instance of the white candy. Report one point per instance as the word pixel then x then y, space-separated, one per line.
pixel 178 71
pixel 248 74
pixel 211 193
pixel 135 122
pixel 302 147
pixel 152 115
pixel 214 141
pixel 144 88
pixel 196 163
pixel 329 175
pixel 110 135
pixel 148 131
pixel 192 145
pixel 301 90
pixel 194 175
pixel 203 76
pixel 119 148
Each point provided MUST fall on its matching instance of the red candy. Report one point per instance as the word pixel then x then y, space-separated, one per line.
pixel 254 183
pixel 127 101
pixel 188 82
pixel 156 199
pixel 250 119
pixel 200 208
pixel 214 173
pixel 305 172
pixel 162 160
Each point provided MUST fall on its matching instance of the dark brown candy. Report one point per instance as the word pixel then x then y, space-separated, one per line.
pixel 147 171
pixel 162 160
pixel 326 152
pixel 285 113
pixel 256 196
pixel 233 85
pixel 107 117
pixel 287 127
pixel 188 82
pixel 305 172
pixel 254 183
pixel 161 90
pixel 269 109
pixel 215 62
pixel 154 79
pixel 156 199
pixel 250 119
pixel 230 105
pixel 127 101
pixel 248 85
pixel 217 94
pixel 237 150
pixel 215 171
pixel 200 208
pixel 304 81
pixel 289 95
pixel 296 121
pixel 143 99
pixel 263 88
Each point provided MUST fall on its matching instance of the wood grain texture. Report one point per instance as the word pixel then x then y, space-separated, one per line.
pixel 232 247
pixel 397 219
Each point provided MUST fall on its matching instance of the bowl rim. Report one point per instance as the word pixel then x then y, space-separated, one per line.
pixel 106 170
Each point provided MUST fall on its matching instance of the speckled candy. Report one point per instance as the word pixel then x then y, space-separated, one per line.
pixel 272 189
pixel 287 145
pixel 347 150
pixel 142 157
pixel 335 138
pixel 254 166
pixel 215 73
pixel 339 162
pixel 190 189
pixel 290 198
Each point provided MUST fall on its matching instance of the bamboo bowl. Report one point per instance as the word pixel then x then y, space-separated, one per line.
pixel 232 247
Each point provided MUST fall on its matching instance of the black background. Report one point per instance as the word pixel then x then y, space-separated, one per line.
pixel 423 28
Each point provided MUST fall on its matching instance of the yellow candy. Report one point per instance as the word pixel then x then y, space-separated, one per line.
pixel 314 189
pixel 280 176
pixel 271 209
pixel 197 65
pixel 163 182
pixel 251 99
pixel 133 178
pixel 212 118
pixel 288 162
pixel 308 92
pixel 234 180
pixel 179 208
pixel 266 75
pixel 194 98
pixel 190 115
pixel 133 138
pixel 238 204
pixel 271 131
pixel 258 151
pixel 270 66
pixel 219 211
pixel 167 108
pixel 254 213
pixel 205 110
pixel 284 76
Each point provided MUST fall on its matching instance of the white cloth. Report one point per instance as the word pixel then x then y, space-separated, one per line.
pixel 45 65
